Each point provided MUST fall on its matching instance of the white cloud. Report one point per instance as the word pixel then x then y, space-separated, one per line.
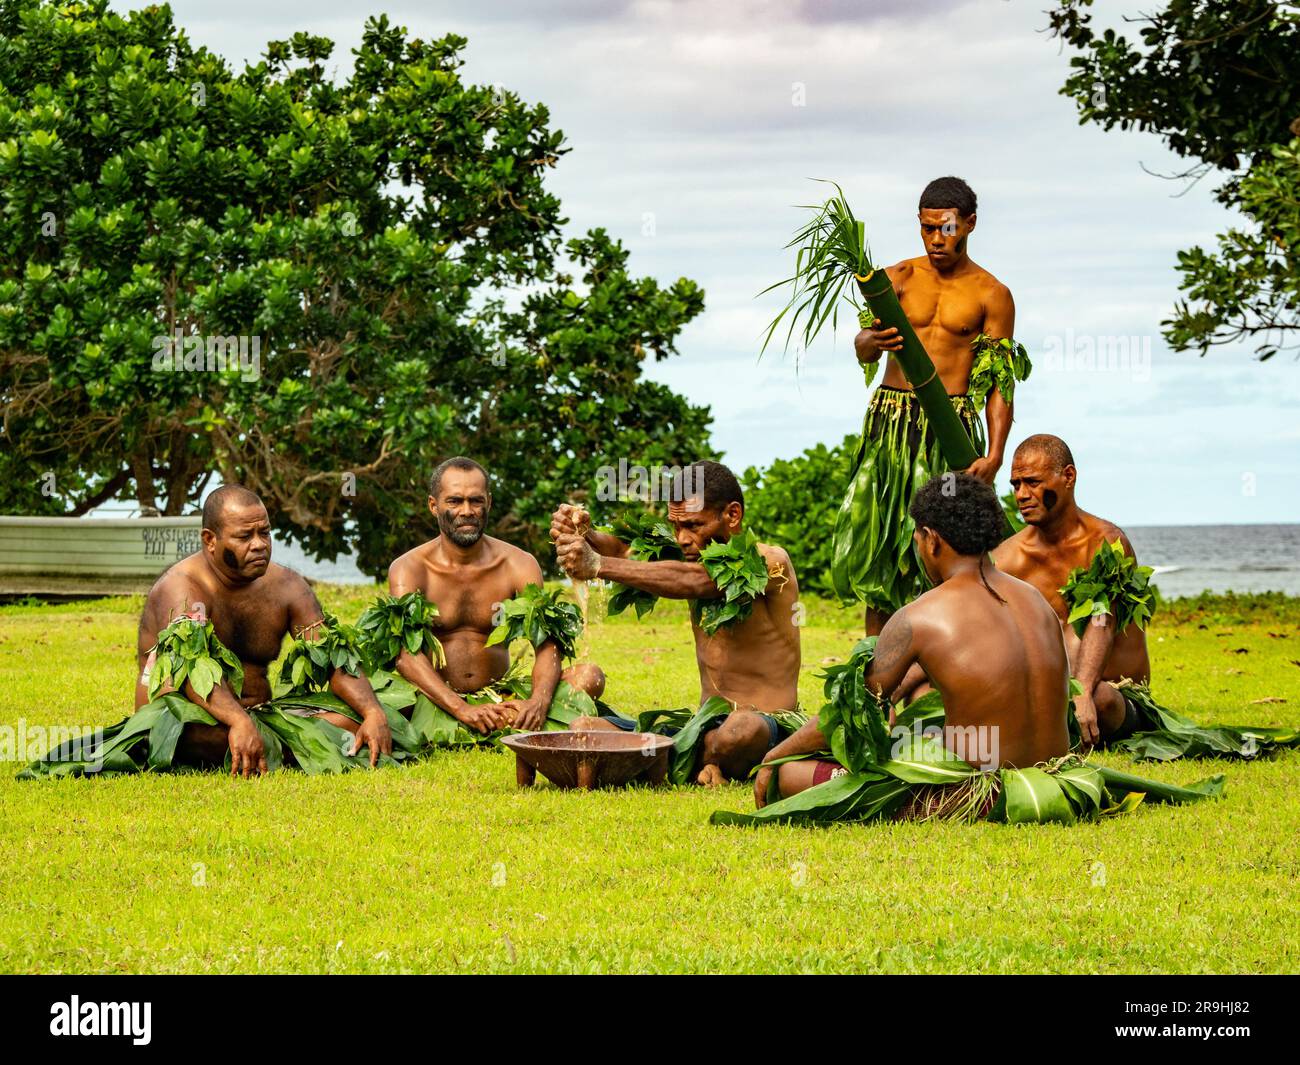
pixel 687 110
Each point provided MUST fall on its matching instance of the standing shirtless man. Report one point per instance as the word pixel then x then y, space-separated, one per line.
pixel 467 575
pixel 988 641
pixel 252 603
pixel 1058 539
pixel 753 664
pixel 950 301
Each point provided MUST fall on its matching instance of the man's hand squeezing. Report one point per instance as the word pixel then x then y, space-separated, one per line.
pixel 577 557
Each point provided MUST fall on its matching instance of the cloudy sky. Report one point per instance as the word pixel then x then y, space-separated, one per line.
pixel 696 124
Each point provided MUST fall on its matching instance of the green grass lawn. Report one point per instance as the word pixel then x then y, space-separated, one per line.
pixel 446 867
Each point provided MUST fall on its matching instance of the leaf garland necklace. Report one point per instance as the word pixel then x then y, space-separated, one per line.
pixel 188 649
pixel 395 624
pixel 318 650
pixel 537 615
pixel 1112 584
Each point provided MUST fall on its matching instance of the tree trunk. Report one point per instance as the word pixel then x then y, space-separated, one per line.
pixel 142 472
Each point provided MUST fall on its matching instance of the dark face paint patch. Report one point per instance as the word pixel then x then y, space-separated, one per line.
pixel 1049 499
pixel 228 557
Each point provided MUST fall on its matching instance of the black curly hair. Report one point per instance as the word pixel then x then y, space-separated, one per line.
pixel 965 512
pixel 711 480
pixel 948 192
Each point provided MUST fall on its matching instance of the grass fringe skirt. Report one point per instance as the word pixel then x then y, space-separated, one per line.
pixel 873 558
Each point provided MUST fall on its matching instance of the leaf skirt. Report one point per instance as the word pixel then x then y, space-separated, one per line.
pixel 873 558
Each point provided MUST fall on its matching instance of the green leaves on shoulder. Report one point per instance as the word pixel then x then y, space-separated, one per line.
pixel 394 624
pixel 999 363
pixel 740 571
pixel 649 538
pixel 189 650
pixel 537 615
pixel 853 719
pixel 319 650
pixel 1112 584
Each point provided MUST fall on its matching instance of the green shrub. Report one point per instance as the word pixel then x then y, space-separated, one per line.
pixel 793 502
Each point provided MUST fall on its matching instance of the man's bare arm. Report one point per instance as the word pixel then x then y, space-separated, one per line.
pixel 999 322
pixel 668 579
pixel 1093 652
pixel 305 613
pixel 532 711
pixel 895 654
pixel 169 599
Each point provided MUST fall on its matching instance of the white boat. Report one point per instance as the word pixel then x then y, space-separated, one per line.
pixel 91 556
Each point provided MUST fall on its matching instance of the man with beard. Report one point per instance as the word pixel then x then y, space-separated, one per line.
pixel 253 603
pixel 964 317
pixel 1059 538
pixel 467 575
pixel 753 664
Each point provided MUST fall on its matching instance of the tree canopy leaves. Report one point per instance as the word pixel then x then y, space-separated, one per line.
pixel 1216 80
pixel 360 229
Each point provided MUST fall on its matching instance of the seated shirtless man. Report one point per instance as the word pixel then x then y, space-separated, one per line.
pixel 1058 539
pixel 252 603
pixel 988 641
pixel 753 664
pixel 467 575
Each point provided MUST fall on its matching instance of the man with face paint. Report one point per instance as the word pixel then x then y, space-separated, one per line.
pixel 988 641
pixel 753 664
pixel 467 575
pixel 1058 539
pixel 252 603
pixel 950 301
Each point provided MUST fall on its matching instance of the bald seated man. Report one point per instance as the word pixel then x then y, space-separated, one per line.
pixel 1058 538
pixel 253 603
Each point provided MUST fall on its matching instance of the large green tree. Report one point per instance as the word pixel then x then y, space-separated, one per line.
pixel 1219 81
pixel 361 234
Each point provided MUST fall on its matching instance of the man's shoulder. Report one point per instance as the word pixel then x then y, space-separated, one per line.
pixel 775 553
pixel 1012 549
pixel 412 559
pixel 992 287
pixel 282 580
pixel 1103 530
pixel 179 577
pixel 517 559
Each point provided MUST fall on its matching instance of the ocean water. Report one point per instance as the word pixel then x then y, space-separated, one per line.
pixel 1220 558
pixel 1188 558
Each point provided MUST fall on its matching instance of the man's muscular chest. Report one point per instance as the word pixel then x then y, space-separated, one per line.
pixel 252 629
pixel 467 604
pixel 1048 571
pixel 947 311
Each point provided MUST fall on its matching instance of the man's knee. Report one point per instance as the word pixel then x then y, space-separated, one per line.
pixel 587 723
pixel 740 742
pixel 586 677
pixel 201 744
pixel 1112 709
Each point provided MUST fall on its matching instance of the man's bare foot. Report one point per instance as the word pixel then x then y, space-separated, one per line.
pixel 711 777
